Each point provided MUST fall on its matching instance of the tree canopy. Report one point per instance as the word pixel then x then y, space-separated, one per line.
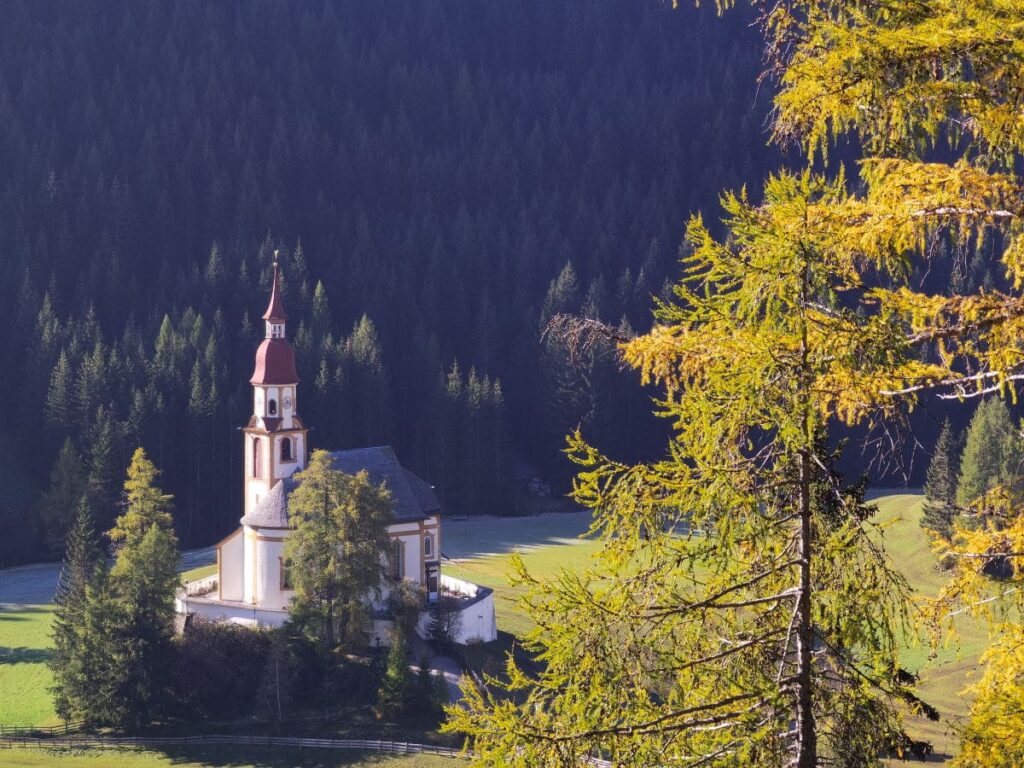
pixel 813 312
pixel 335 553
pixel 422 163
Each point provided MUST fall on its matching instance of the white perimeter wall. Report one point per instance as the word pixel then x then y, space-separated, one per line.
pixel 479 623
pixel 238 614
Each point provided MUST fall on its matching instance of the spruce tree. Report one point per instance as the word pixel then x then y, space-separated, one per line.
pixel 992 453
pixel 102 469
pixel 58 504
pixel 59 406
pixel 940 508
pixel 142 584
pixel 322 322
pixel 397 689
pixel 72 676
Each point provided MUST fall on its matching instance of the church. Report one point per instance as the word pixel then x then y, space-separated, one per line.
pixel 251 585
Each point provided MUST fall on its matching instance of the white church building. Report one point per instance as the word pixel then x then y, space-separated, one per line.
pixel 251 583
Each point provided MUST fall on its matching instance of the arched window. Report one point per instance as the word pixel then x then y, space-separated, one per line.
pixel 428 545
pixel 396 565
pixel 272 407
pixel 286 449
pixel 257 462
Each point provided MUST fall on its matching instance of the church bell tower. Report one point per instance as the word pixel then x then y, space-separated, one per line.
pixel 275 438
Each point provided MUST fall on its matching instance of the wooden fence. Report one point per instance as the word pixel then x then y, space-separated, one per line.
pixel 64 736
pixel 366 745
pixel 41 731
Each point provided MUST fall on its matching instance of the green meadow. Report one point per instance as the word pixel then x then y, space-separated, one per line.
pixel 482 549
pixel 213 757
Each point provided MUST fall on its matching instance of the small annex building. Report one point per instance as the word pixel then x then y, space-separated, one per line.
pixel 251 584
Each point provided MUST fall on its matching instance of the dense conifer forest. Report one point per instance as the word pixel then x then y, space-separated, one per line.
pixel 440 177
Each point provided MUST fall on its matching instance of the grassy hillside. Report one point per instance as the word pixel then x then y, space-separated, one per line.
pixel 948 670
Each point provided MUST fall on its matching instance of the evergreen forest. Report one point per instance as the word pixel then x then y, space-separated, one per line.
pixel 440 178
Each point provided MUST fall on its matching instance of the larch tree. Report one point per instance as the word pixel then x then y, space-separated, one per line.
pixel 739 613
pixel 113 629
pixel 336 550
pixel 139 599
pixel 145 504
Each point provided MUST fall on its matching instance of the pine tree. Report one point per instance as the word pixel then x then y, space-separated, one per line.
pixel 69 662
pixel 58 504
pixel 940 484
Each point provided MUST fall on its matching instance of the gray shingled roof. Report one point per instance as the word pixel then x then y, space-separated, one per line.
pixel 413 498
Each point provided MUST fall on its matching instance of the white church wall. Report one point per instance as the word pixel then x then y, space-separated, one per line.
pixel 256 488
pixel 249 565
pixel 269 552
pixel 230 566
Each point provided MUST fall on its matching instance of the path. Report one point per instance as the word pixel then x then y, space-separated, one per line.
pixel 446 666
pixel 35 584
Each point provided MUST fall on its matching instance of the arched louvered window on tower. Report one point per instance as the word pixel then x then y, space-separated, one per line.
pixel 257 458
pixel 286 449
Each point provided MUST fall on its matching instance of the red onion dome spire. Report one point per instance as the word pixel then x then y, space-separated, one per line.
pixel 275 358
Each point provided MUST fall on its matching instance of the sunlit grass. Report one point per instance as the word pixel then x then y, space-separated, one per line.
pixel 212 757
pixel 24 676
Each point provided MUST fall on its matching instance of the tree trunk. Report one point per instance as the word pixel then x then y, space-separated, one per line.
pixel 807 739
pixel 807 746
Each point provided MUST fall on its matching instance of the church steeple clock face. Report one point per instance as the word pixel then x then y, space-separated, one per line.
pixel 287 402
